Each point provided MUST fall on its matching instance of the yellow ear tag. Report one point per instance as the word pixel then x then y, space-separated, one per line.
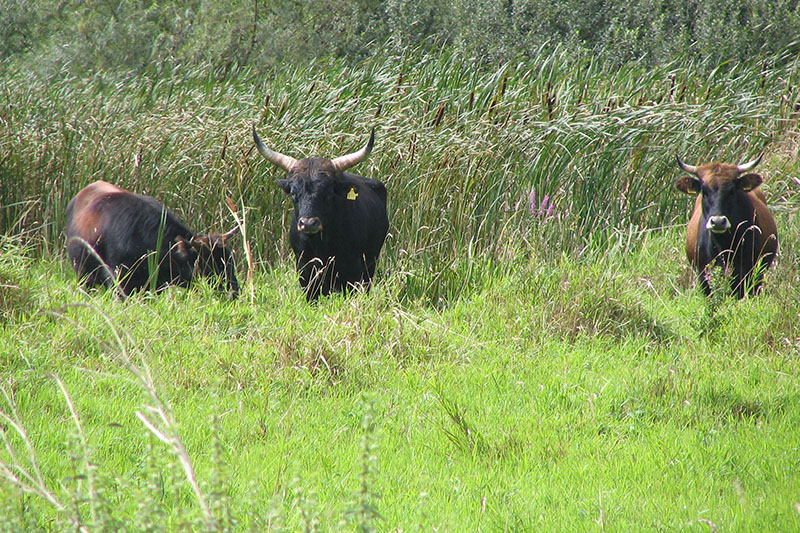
pixel 352 195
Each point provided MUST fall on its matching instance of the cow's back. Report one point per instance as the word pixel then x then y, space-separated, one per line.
pixel 84 216
pixel 120 228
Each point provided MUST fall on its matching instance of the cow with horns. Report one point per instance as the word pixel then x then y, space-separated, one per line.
pixel 730 226
pixel 339 222
pixel 116 236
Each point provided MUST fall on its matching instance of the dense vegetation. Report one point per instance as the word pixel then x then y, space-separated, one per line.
pixel 135 34
pixel 534 354
pixel 463 150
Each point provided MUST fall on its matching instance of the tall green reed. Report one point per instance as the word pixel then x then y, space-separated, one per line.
pixel 460 148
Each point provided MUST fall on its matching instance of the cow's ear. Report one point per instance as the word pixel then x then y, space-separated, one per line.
pixel 688 184
pixel 748 182
pixel 286 185
pixel 348 190
pixel 182 247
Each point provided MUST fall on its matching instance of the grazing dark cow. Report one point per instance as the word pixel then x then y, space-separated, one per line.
pixel 113 234
pixel 339 222
pixel 731 226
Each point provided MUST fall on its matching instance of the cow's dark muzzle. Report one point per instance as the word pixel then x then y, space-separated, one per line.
pixel 718 224
pixel 309 225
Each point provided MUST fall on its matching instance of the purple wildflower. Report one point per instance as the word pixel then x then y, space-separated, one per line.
pixel 544 209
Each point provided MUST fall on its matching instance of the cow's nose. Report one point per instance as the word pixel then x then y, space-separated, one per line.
pixel 309 225
pixel 718 224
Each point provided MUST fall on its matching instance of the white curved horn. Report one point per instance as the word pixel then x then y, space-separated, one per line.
pixel 749 165
pixel 283 161
pixel 688 168
pixel 346 161
pixel 227 235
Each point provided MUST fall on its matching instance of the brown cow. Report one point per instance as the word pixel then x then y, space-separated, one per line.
pixel 731 226
pixel 112 232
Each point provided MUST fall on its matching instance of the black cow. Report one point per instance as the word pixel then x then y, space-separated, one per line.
pixel 113 234
pixel 731 226
pixel 339 222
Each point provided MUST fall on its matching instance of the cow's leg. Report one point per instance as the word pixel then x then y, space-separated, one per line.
pixel 310 279
pixel 330 278
pixel 89 265
pixel 743 287
pixel 369 272
pixel 753 280
pixel 703 279
pixel 82 262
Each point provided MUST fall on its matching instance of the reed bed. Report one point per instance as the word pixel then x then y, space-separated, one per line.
pixel 463 150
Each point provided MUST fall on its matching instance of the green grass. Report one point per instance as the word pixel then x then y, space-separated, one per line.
pixel 598 393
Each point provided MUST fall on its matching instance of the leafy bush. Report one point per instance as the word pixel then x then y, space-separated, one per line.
pixel 133 34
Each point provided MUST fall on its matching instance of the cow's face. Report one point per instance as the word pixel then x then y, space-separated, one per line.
pixel 721 187
pixel 314 184
pixel 213 258
pixel 316 189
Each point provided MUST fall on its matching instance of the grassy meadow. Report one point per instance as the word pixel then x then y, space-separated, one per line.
pixel 534 354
